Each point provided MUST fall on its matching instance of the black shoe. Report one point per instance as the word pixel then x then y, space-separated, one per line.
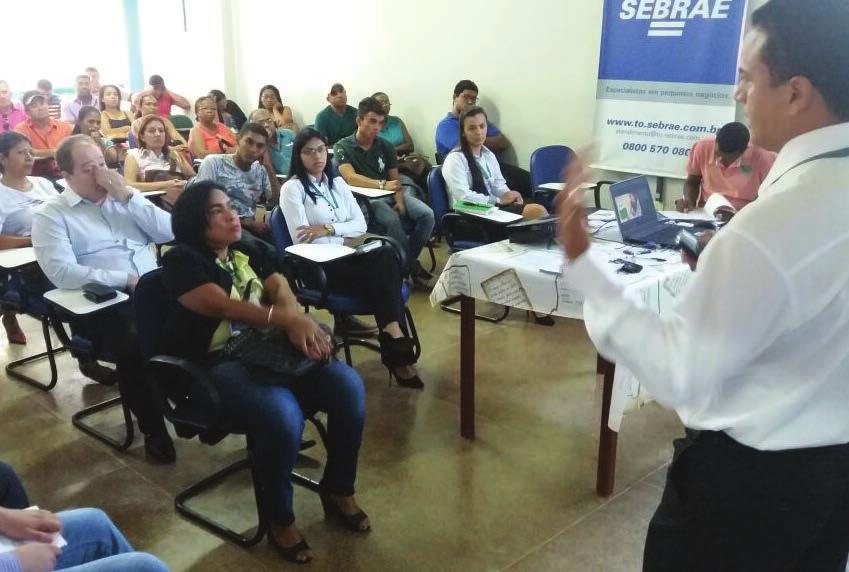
pixel 352 326
pixel 358 522
pixel 99 373
pixel 421 277
pixel 160 447
pixel 395 353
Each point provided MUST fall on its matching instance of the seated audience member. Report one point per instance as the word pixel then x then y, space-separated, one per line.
pixel 279 152
pixel 89 124
pixel 45 134
pixel 114 122
pixel 216 281
pixel 221 102
pixel 394 129
pixel 155 165
pixel 100 230
pixel 270 100
pixel 726 164
pixel 244 177
pixel 94 77
pixel 338 119
pixel 94 542
pixel 209 136
pixel 321 209
pixel 54 104
pixel 20 194
pixel 472 173
pixel 165 98
pixel 84 98
pixel 448 136
pixel 366 160
pixel 148 107
pixel 11 113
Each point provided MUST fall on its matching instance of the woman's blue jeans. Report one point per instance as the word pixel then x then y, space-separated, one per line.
pixel 273 418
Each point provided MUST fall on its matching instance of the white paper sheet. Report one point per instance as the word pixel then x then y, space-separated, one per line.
pixel 320 252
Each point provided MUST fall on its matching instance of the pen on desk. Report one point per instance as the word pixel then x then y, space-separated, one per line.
pixel 551 272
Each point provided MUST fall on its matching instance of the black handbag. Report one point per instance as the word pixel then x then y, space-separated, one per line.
pixel 271 348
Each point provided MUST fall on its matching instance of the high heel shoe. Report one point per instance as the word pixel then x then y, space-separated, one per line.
pixel 291 553
pixel 356 522
pixel 395 353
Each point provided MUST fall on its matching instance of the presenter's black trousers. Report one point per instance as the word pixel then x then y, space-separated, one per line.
pixel 729 507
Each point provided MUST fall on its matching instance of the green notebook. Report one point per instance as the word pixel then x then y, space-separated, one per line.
pixel 464 206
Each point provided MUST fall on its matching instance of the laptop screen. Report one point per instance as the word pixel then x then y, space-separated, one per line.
pixel 633 204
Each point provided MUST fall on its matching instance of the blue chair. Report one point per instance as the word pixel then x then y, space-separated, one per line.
pixel 450 224
pixel 132 142
pixel 188 399
pixel 309 284
pixel 548 165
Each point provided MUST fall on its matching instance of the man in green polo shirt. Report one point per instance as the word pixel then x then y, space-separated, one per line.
pixel 338 119
pixel 366 160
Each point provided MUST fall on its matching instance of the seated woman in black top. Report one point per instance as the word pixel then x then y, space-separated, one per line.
pixel 322 209
pixel 221 284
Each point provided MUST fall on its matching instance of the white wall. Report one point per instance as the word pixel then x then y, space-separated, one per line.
pixel 534 62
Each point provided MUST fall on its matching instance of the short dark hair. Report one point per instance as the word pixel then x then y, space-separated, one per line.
pixel 9 140
pixel 732 138
pixel 251 127
pixel 370 104
pixel 189 219
pixel 336 88
pixel 217 94
pixel 463 85
pixel 156 80
pixel 808 39
pixel 44 85
pixel 64 157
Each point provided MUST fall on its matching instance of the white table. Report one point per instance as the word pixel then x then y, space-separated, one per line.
pixel 74 302
pixel 534 278
pixel 13 258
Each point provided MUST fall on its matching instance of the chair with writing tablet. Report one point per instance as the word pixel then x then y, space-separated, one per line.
pixel 309 284
pixel 548 165
pixel 450 224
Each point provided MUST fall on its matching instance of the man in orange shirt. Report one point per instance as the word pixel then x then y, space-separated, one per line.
pixel 44 133
pixel 726 164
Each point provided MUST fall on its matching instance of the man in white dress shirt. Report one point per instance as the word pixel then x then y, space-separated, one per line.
pixel 755 356
pixel 100 230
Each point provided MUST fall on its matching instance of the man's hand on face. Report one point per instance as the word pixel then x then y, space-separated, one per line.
pixel 113 183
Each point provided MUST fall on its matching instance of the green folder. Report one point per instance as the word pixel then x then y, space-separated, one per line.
pixel 464 206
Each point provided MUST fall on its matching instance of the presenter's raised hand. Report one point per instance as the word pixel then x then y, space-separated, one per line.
pixel 570 206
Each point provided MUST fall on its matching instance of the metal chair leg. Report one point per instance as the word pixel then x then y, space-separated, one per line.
pixel 447 305
pixel 77 420
pixel 50 354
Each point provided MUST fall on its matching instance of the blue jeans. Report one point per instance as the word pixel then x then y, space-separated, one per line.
pixel 417 223
pixel 96 545
pixel 273 418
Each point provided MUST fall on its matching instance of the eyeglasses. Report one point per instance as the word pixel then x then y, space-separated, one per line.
pixel 314 151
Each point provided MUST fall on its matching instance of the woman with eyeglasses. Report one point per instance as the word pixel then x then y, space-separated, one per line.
pixel 394 129
pixel 321 209
pixel 20 194
pixel 209 136
pixel 219 283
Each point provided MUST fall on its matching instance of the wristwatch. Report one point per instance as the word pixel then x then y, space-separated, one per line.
pixel 330 230
pixel 381 183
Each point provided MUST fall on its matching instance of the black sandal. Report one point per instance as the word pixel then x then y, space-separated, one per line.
pixel 291 553
pixel 351 521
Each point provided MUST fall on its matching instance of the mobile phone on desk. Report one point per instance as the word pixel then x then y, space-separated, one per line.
pixel 689 242
pixel 98 293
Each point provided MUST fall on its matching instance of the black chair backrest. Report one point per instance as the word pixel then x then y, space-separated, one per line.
pixel 151 308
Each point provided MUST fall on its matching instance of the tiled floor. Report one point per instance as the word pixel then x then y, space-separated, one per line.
pixel 520 497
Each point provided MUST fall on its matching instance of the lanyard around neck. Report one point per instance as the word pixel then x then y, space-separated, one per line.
pixel 334 204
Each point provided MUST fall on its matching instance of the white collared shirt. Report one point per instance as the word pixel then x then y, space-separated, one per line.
pixel 336 207
pixel 77 241
pixel 458 178
pixel 758 343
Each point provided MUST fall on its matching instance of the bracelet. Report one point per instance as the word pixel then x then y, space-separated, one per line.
pixel 268 319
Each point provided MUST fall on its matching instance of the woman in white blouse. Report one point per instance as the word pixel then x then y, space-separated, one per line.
pixel 20 194
pixel 472 173
pixel 321 209
pixel 155 165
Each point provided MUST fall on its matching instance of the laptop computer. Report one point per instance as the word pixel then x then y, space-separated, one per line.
pixel 639 222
